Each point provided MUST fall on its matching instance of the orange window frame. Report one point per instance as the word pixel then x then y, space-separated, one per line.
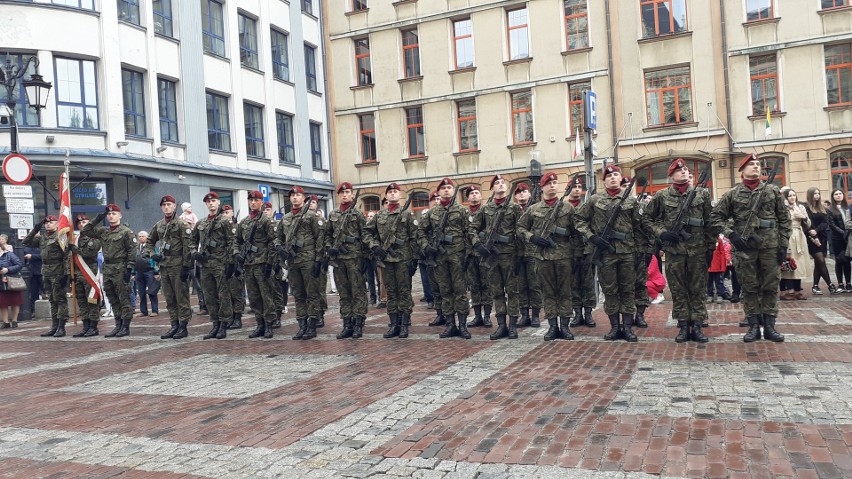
pixel 516 114
pixel 834 69
pixel 762 77
pixel 362 44
pixel 578 102
pixel 456 39
pixel 461 119
pixel 661 99
pixel 575 18
pixel 837 4
pixel 361 132
pixel 656 5
pixel 413 126
pixel 509 29
pixel 407 34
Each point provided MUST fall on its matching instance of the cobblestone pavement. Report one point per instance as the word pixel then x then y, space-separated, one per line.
pixel 140 407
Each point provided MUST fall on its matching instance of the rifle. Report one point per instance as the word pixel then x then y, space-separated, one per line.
pixel 391 242
pixel 748 230
pixel 546 230
pixel 681 219
pixel 208 242
pixel 290 249
pixel 609 233
pixel 339 236
pixel 438 238
pixel 493 235
pixel 247 250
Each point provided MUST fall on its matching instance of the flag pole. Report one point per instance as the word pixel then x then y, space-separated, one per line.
pixel 67 184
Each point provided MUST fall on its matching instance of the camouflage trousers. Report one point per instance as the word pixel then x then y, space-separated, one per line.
pixel 57 298
pixel 450 279
pixel 118 293
pixel 306 289
pixel 433 284
pixel 583 283
pixel 555 276
pixel 687 278
pixel 476 282
pixel 260 297
pixel 216 292
pixel 85 309
pixel 617 277
pixel 399 287
pixel 236 289
pixel 176 293
pixel 322 287
pixel 351 287
pixel 641 289
pixel 759 276
pixel 529 287
pixel 504 286
pixel 277 292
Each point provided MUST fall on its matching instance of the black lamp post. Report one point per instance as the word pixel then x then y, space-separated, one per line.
pixel 36 90
pixel 535 176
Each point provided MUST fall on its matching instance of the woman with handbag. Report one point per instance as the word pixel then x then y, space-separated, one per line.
pixel 12 285
pixel 839 213
pixel 798 265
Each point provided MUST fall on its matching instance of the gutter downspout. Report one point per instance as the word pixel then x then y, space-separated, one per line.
pixel 611 84
pixel 327 97
pixel 728 114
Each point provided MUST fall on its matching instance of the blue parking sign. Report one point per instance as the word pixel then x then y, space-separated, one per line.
pixel 591 108
pixel 265 190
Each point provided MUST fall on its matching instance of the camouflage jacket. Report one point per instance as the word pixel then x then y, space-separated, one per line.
pixel 307 239
pixel 455 234
pixel 222 238
pixel 263 242
pixel 87 249
pixel 560 231
pixel 578 241
pixel 592 217
pixel 772 222
pixel 54 261
pixel 172 240
pixel 345 230
pixel 660 214
pixel 481 224
pixel 395 233
pixel 118 244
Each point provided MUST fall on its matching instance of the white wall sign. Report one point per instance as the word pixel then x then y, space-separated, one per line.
pixel 21 221
pixel 20 205
pixel 22 234
pixel 17 191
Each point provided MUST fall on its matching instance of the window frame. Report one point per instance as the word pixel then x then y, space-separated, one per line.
pixel 362 44
pixel 23 113
pixel 516 116
pixel 417 199
pixel 577 103
pixel 126 10
pixel 763 78
pixel 253 123
pixel 225 134
pixel 656 9
pixel 759 18
pixel 212 36
pixel 844 3
pixel 661 100
pixel 359 5
pixel 414 49
pixel 166 17
pixel 137 93
pixel 276 35
pixel 575 19
pixel 371 203
pixel 79 3
pixel 311 68
pixel 281 119
pixel 417 129
pixel 837 68
pixel 248 58
pixel 316 145
pixel 83 100
pixel 466 120
pixel 463 38
pixel 510 29
pixel 367 138
pixel 167 120
pixel 308 7
pixel 844 171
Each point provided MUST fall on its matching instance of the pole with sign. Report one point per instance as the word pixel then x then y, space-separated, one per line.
pixel 590 120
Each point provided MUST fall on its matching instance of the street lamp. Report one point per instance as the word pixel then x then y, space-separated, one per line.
pixel 36 89
pixel 535 175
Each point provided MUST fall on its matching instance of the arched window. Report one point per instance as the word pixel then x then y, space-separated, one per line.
pixel 657 174
pixel 419 201
pixel 841 172
pixel 371 203
pixel 767 163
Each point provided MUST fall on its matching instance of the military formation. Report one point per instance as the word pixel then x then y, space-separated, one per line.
pixel 505 254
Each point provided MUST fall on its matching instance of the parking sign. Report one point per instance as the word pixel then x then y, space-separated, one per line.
pixel 591 108
pixel 265 190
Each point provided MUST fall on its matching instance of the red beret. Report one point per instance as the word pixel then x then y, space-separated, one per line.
pixel 446 181
pixel 625 180
pixel 296 189
pixel 113 207
pixel 433 195
pixel 211 195
pixel 496 177
pixel 470 189
pixel 677 164
pixel 521 187
pixel 745 161
pixel 267 205
pixel 50 218
pixel 549 176
pixel 255 195
pixel 315 198
pixel 392 186
pixel 577 181
pixel 227 208
pixel 167 199
pixel 81 217
pixel 344 186
pixel 610 169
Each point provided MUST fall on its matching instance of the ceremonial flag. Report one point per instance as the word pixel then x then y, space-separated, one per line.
pixel 66 224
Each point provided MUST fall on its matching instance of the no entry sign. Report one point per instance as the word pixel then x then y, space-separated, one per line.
pixel 17 169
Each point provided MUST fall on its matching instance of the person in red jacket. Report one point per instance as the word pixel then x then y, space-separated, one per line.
pixel 656 282
pixel 717 268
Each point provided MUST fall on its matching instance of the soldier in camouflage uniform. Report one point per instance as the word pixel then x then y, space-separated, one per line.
pixel 254 250
pixel 645 244
pixel 758 255
pixel 583 298
pixel 448 271
pixel 546 228
pixel 300 236
pixel 345 246
pixel 617 276
pixel 173 236
pixel 275 279
pixel 437 302
pixel 212 243
pixel 236 283
pixel 390 236
pixel 476 271
pixel 54 271
pixel 528 281
pixel 686 268
pixel 119 248
pixel 502 255
pixel 86 250
pixel 322 281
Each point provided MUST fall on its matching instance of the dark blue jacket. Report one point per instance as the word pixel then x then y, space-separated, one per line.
pixel 12 262
pixel 34 262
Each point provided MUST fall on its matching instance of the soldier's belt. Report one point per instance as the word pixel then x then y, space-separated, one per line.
pixel 694 222
pixel 764 224
pixel 618 235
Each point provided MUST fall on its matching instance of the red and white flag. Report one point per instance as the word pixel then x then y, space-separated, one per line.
pixel 578 150
pixel 66 223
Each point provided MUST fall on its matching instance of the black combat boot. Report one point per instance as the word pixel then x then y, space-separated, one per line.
pixel 565 329
pixel 639 321
pixel 552 330
pixel 93 329
pixel 393 330
pixel 463 332
pixel 502 331
pixel 60 330
pixel 358 327
pixel 615 331
pixel 524 320
pixel 486 315
pixel 535 318
pixel 321 320
pixel 125 328
pixel 260 329
pixel 477 317
pixel 311 332
pixel 117 328
pixel 303 326
pixel 704 323
pixel 745 324
pixel 86 325
pixel 577 320
pixel 753 333
pixel 439 320
pixel 170 333
pixel 270 331
pixel 277 323
pixel 587 311
pixel 237 321
pixel 697 334
pixel 629 335
pixel 223 330
pixel 405 322
pixel 213 332
pixel 769 331
pixel 181 332
pixel 513 327
pixel 347 329
pixel 683 334
pixel 450 330
pixel 55 325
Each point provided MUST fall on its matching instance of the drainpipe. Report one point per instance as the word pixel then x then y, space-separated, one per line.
pixel 728 114
pixel 327 99
pixel 611 85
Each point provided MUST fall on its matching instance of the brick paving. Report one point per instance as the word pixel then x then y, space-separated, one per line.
pixel 140 407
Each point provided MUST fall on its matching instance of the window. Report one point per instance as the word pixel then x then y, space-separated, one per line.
pixel 522 118
pixel 253 118
pixel 248 41
pixel 766 164
pixel 311 67
pixel 838 73
pixel 411 53
pixel 834 3
pixel 316 146
pixel 658 178
pixel 371 203
pixel 841 172
pixel 468 139
pixel 128 11
pixel 286 145
pixel 308 6
pixel 463 43
pixel 367 134
pixel 419 201
pixel 764 84
pixel 362 61
pixel 359 5
pixel 414 127
pixel 24 115
pixel 759 10
pixel 576 24
pixel 76 94
pixel 163 17
pixel 519 42
pixel 218 123
pixel 663 17
pixel 134 102
pixel 213 27
pixel 280 56
pixel 667 96
pixel 167 99
pixel 575 104
pixel 84 4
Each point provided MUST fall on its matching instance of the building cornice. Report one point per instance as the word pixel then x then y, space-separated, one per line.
pixel 772 47
pixel 792 139
pixel 671 137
